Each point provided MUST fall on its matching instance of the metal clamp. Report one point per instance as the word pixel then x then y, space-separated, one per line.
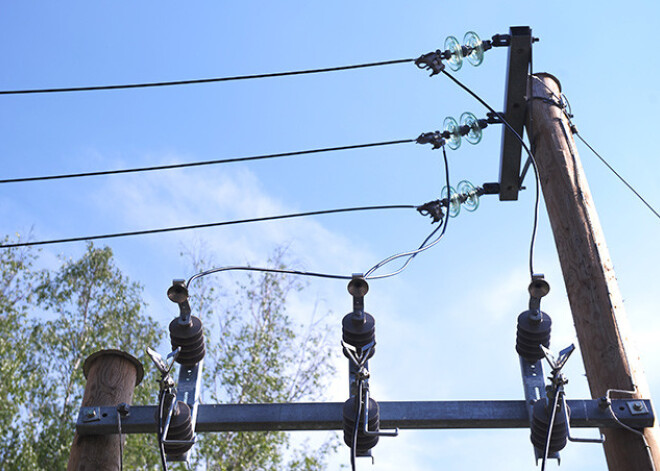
pixel 432 61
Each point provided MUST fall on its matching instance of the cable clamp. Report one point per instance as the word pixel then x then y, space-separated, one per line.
pixel 432 61
pixel 434 138
pixel 500 40
pixel 432 209
pixel 494 118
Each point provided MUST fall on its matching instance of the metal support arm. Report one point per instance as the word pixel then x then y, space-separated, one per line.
pixel 401 414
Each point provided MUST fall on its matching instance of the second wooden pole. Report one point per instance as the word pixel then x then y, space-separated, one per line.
pixel 111 379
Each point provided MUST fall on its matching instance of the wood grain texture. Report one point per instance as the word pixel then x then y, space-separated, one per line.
pixel 111 379
pixel 602 328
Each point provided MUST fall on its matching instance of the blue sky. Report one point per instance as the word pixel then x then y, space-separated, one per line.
pixel 446 325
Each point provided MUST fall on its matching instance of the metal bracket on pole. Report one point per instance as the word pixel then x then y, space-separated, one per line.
pixel 188 390
pixel 520 56
pixel 534 386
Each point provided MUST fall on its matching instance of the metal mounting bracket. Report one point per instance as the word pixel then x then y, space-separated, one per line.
pixel 520 56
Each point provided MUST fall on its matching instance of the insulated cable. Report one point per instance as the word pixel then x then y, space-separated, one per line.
pixel 265 270
pixel 161 446
pixel 422 247
pixel 213 224
pixel 199 81
pixel 627 427
pixel 205 162
pixel 367 275
pixel 531 157
pixel 121 445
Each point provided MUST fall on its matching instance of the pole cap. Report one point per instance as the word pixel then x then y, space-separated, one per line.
pixel 139 369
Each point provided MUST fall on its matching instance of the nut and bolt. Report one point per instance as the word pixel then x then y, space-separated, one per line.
pixel 123 409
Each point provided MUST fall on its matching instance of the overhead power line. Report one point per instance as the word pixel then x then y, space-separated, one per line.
pixel 213 224
pixel 201 163
pixel 532 160
pixel 199 81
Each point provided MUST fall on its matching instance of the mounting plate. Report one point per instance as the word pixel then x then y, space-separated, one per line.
pixel 520 57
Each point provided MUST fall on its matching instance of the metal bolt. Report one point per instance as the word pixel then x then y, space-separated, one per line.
pixel 123 409
pixel 91 414
pixel 638 406
pixel 604 402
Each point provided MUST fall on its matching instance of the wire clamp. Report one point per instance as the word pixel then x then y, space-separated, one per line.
pixel 432 209
pixel 432 61
pixel 500 40
pixel 434 138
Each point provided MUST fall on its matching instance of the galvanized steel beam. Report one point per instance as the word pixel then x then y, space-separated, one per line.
pixel 328 416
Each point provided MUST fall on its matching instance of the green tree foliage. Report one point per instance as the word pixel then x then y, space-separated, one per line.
pixel 86 305
pixel 50 321
pixel 257 354
pixel 19 375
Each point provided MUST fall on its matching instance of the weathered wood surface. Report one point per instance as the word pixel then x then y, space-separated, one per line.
pixel 603 332
pixel 111 379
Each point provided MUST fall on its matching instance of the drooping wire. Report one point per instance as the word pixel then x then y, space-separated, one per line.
pixel 205 162
pixel 266 270
pixel 368 274
pixel 531 157
pixel 412 254
pixel 213 224
pixel 199 81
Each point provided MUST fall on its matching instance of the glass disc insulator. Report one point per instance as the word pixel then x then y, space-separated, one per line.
pixel 476 55
pixel 451 126
pixel 454 47
pixel 475 133
pixel 454 201
pixel 466 188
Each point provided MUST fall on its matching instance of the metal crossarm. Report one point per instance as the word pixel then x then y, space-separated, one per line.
pixel 402 414
pixel 520 54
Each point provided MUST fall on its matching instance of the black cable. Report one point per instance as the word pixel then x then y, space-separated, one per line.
pixel 423 246
pixel 205 162
pixel 266 270
pixel 358 404
pixel 121 445
pixel 161 447
pixel 213 224
pixel 206 80
pixel 574 129
pixel 532 159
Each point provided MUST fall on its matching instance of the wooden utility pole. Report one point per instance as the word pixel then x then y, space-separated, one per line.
pixel 111 379
pixel 596 304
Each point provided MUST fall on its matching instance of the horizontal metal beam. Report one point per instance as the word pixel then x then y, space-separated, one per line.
pixel 328 416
